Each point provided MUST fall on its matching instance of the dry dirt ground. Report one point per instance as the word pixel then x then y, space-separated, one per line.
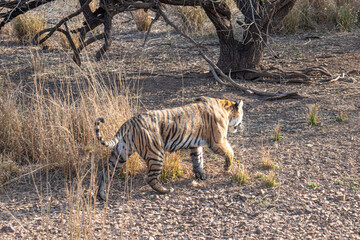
pixel 318 172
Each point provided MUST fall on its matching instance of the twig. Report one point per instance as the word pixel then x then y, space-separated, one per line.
pixel 157 16
pixel 166 19
pixel 62 21
pixel 17 178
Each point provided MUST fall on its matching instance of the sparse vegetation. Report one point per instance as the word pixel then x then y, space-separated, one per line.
pixel 312 185
pixel 313 115
pixel 142 20
pixel 27 25
pixel 351 183
pixel 42 128
pixel 133 166
pixel 269 180
pixel 172 167
pixel 322 14
pixel 266 162
pixel 341 116
pixel 240 174
pixel 277 136
pixel 193 18
pixel 259 175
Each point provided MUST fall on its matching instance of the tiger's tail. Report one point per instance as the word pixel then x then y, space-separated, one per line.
pixel 110 143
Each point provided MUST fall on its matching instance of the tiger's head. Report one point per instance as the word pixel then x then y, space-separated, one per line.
pixel 236 115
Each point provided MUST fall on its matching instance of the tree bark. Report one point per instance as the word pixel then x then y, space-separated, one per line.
pixel 246 54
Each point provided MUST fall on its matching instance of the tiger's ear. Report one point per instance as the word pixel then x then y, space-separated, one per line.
pixel 239 105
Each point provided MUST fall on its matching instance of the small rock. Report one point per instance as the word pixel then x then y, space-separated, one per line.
pixel 194 183
pixel 6 229
pixel 258 231
pixel 261 192
pixel 357 197
pixel 340 197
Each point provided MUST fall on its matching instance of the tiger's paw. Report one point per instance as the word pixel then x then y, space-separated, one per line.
pixel 101 196
pixel 158 187
pixel 200 176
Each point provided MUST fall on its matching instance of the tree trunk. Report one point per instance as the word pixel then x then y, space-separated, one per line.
pixel 236 56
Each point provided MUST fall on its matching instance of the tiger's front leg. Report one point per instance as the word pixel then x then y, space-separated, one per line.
pixel 198 162
pixel 223 148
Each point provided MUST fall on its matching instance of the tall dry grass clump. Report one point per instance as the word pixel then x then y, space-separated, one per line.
pixel 341 15
pixel 193 18
pixel 172 167
pixel 142 20
pixel 27 25
pixel 58 129
pixel 55 130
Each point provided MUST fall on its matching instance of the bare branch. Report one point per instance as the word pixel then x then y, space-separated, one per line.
pixel 62 21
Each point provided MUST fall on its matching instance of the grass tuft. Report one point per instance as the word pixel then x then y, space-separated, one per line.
pixel 277 136
pixel 266 162
pixel 193 18
pixel 26 26
pixel 341 116
pixel 142 20
pixel 313 115
pixel 312 185
pixel 172 167
pixel 240 174
pixel 341 15
pixel 133 166
pixel 8 167
pixel 269 180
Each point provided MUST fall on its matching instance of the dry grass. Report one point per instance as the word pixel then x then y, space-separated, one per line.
pixel 341 116
pixel 56 132
pixel 27 25
pixel 172 167
pixel 142 20
pixel 133 166
pixel 277 130
pixel 312 115
pixel 65 44
pixel 193 18
pixel 240 174
pixel 40 128
pixel 269 180
pixel 266 162
pixel 322 15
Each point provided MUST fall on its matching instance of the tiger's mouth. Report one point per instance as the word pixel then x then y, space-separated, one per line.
pixel 236 127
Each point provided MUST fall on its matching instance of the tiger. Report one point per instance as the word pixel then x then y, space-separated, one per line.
pixel 205 122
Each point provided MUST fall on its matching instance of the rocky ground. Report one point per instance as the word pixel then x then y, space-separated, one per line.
pixel 318 174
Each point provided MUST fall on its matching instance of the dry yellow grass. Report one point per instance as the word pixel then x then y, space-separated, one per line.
pixel 27 25
pixel 322 14
pixel 172 167
pixel 142 20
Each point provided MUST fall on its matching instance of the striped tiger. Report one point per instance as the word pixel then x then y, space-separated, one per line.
pixel 202 123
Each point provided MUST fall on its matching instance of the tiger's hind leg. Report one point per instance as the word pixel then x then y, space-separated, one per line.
pixel 154 158
pixel 198 162
pixel 155 164
pixel 116 160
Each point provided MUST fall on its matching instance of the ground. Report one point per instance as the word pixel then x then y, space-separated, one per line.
pixel 318 174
